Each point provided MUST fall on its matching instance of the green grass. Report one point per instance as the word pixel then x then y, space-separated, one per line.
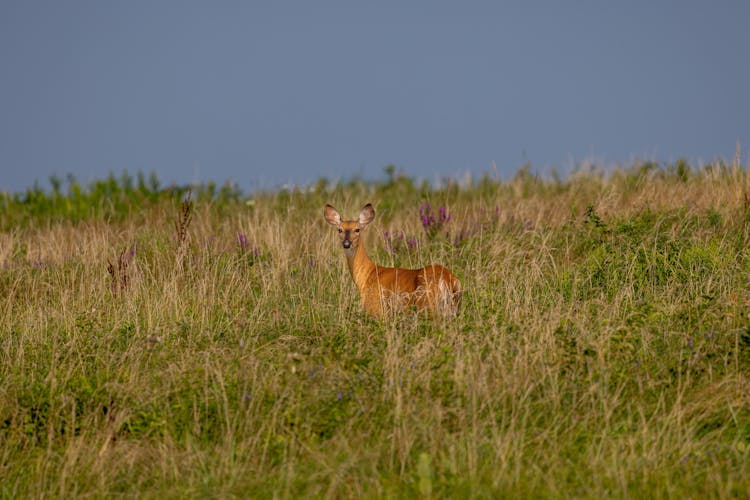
pixel 602 350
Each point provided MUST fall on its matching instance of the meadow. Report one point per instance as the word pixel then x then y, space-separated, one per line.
pixel 198 342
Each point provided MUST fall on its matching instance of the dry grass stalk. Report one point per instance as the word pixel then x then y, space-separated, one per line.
pixel 182 223
pixel 119 274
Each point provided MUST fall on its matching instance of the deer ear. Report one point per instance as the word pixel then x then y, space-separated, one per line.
pixel 332 216
pixel 366 215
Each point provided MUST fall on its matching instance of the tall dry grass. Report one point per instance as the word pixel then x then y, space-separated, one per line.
pixel 602 349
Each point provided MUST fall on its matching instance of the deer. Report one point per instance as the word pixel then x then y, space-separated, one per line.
pixel 385 290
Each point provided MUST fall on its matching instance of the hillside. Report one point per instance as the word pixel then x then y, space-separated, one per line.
pixel 196 342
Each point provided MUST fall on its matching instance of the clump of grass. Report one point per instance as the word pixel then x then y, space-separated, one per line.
pixel 120 280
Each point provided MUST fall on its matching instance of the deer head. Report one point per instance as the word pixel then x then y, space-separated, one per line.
pixel 349 230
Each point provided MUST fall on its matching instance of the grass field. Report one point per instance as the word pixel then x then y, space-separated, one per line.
pixel 217 348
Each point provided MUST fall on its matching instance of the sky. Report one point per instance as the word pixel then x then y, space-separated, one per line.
pixel 265 93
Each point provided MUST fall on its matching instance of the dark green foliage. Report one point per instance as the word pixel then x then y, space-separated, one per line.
pixel 111 199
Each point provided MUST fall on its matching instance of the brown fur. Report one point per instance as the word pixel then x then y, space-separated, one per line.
pixel 387 289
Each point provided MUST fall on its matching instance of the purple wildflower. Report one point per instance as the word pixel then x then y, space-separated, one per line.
pixel 444 216
pixel 425 213
pixel 431 223
pixel 461 236
pixel 391 242
pixel 129 256
pixel 244 245
pixel 242 241
pixel 395 241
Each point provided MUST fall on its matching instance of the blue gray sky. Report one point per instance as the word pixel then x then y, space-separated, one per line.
pixel 262 93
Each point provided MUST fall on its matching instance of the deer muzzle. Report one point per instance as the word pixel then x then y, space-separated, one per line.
pixel 347 242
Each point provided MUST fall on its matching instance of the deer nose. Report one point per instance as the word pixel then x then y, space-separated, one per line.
pixel 347 244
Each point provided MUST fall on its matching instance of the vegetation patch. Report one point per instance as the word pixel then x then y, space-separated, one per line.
pixel 197 341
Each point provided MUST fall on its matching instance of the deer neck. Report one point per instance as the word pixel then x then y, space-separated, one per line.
pixel 360 266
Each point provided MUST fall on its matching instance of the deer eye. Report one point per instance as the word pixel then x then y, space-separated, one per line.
pixel 341 230
pixel 356 230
